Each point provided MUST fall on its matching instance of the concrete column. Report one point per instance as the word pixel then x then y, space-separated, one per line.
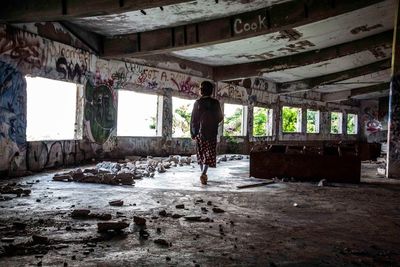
pixel 166 116
pixel 250 120
pixel 393 155
pixel 304 120
pixel 278 124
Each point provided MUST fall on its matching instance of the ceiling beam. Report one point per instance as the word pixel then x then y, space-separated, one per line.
pixel 237 71
pixel 91 39
pixel 51 10
pixel 311 83
pixel 347 94
pixel 276 18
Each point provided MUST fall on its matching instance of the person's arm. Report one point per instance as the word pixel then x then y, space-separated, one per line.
pixel 220 115
pixel 195 120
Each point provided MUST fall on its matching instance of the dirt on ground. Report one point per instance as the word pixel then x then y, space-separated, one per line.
pixel 172 220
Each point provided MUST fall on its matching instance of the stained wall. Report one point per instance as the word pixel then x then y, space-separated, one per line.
pixel 26 53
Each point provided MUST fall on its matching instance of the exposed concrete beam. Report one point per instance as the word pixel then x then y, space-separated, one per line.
pixel 172 63
pixel 92 40
pixel 278 17
pixel 372 43
pixel 311 83
pixel 345 95
pixel 51 10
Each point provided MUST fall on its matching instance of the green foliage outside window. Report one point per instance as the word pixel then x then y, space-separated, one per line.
pixel 233 123
pixel 351 124
pixel 335 121
pixel 181 120
pixel 153 123
pixel 290 117
pixel 260 121
pixel 312 122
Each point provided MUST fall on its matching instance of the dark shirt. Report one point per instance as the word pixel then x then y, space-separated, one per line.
pixel 206 116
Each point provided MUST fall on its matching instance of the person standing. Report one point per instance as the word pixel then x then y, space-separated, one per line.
pixel 206 116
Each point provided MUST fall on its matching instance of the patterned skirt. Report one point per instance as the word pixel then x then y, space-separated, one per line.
pixel 206 152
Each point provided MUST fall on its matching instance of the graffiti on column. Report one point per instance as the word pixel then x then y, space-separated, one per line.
pixel 370 119
pixel 12 113
pixel 394 118
pixel 100 112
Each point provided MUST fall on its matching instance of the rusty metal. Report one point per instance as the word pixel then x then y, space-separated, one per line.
pixel 305 164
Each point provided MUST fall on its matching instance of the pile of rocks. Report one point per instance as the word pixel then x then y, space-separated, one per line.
pixel 132 168
pixel 114 173
pixel 12 189
pixel 229 157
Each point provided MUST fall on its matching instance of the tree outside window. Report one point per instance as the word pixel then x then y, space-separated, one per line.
pixel 312 121
pixel 182 113
pixel 352 123
pixel 336 122
pixel 262 121
pixel 233 120
pixel 291 119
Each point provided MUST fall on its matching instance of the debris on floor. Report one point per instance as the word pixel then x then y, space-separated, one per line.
pixel 115 173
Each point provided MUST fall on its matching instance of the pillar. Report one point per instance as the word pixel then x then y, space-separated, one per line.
pixel 393 154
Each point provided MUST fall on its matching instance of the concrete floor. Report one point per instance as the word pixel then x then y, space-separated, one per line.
pixel 282 224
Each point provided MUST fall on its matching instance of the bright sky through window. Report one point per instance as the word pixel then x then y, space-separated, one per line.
pixel 137 114
pixel 51 109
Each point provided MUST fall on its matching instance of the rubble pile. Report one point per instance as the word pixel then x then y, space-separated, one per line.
pixel 12 189
pixel 125 173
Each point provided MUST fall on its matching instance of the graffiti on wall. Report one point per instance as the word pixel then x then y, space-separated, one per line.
pixel 121 74
pixel 37 56
pixel 100 112
pixel 370 119
pixel 232 91
pixel 21 47
pixel 12 114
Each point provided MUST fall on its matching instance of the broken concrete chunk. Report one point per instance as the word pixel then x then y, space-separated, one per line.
pixel 139 220
pixel 195 218
pixel 125 178
pixel 218 210
pixel 161 242
pixel 114 226
pixel 180 206
pixel 160 168
pixel 143 234
pixel 162 213
pixel 101 216
pixel 38 239
pixel 116 203
pixel 19 225
pixel 80 213
pixel 63 177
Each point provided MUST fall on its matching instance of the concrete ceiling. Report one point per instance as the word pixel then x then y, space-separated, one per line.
pixel 323 46
pixel 321 34
pixel 169 16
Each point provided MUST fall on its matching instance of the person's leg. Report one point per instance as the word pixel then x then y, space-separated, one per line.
pixel 201 166
pixel 205 169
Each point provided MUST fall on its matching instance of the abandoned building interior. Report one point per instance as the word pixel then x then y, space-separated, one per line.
pixel 98 167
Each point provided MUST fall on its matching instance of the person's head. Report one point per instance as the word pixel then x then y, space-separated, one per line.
pixel 206 88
